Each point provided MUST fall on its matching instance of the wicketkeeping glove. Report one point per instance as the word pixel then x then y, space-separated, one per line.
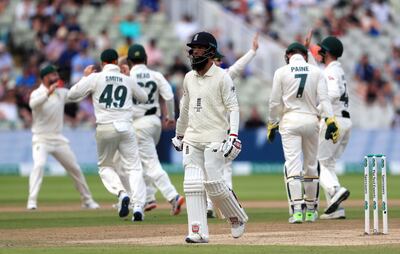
pixel 231 148
pixel 177 142
pixel 271 130
pixel 332 129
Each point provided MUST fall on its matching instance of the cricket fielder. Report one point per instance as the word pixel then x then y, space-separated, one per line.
pixel 234 72
pixel 147 126
pixel 209 94
pixel 112 94
pixel 47 104
pixel 331 48
pixel 297 89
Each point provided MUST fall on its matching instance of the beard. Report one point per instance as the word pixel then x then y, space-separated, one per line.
pixel 198 63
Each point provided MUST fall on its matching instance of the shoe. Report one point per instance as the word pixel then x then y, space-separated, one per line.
pixel 90 204
pixel 311 216
pixel 296 218
pixel 138 214
pixel 341 195
pixel 176 203
pixel 237 227
pixel 338 214
pixel 150 206
pixel 31 207
pixel 123 205
pixel 196 238
pixel 211 214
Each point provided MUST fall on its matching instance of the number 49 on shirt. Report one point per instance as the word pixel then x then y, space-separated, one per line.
pixel 111 97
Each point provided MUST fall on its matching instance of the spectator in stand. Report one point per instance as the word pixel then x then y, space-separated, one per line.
pixel 130 27
pixel 123 49
pixel 72 24
pixel 148 6
pixel 57 45
pixel 364 69
pixel 381 10
pixel 28 78
pixel 103 41
pixel 254 120
pixel 229 55
pixel 186 27
pixel 24 10
pixel 8 109
pixel 154 54
pixel 379 88
pixel 80 61
pixel 6 60
pixel 86 112
pixel 370 23
pixel 178 67
pixel 72 49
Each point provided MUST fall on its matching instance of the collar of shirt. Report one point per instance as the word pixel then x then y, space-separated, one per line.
pixel 332 64
pixel 296 58
pixel 138 66
pixel 209 73
pixel 111 67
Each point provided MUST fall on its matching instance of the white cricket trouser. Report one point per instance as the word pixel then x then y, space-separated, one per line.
pixel 148 131
pixel 226 175
pixel 202 162
pixel 299 134
pixel 329 153
pixel 109 141
pixel 62 152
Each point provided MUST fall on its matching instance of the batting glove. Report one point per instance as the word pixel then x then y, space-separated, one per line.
pixel 271 130
pixel 231 148
pixel 332 129
pixel 177 142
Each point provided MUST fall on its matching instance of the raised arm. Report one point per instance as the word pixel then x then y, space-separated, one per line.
pixel 237 68
pixel 84 86
pixel 40 95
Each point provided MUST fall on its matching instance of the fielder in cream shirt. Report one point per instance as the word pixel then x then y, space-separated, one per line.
pixel 47 104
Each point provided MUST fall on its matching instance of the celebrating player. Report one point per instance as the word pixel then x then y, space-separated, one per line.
pixel 47 104
pixel 331 48
pixel 147 125
pixel 297 89
pixel 111 94
pixel 209 94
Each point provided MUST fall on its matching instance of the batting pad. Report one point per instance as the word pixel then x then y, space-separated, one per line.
pixel 295 192
pixel 196 205
pixel 224 199
pixel 311 191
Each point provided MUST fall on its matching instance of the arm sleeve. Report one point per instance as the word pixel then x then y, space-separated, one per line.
pixel 81 89
pixel 275 101
pixel 167 94
pixel 324 103
pixel 237 68
pixel 37 98
pixel 137 92
pixel 229 98
pixel 332 81
pixel 182 122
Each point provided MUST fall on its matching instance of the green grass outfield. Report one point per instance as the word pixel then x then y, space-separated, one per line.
pixel 60 190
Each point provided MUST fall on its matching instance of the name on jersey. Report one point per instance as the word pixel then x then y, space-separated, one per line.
pixel 142 75
pixel 113 79
pixel 298 68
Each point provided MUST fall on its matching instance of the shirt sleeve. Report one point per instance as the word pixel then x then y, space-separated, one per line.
pixel 38 97
pixel 311 59
pixel 165 88
pixel 333 85
pixel 230 101
pixel 182 122
pixel 137 92
pixel 275 101
pixel 81 89
pixel 237 68
pixel 324 102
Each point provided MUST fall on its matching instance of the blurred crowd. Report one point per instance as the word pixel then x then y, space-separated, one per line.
pixel 59 38
pixel 376 83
